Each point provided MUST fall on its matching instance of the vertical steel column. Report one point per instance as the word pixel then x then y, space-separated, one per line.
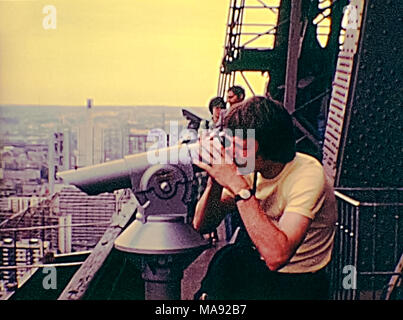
pixel 292 56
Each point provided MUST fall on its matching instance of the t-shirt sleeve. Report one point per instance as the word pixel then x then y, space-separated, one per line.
pixel 306 192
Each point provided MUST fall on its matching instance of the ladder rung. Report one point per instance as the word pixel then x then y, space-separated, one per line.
pixel 259 24
pixel 256 7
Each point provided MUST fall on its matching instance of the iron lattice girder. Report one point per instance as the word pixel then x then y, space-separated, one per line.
pixel 239 57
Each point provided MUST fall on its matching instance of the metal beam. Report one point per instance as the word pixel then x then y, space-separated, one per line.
pixel 307 134
pixel 292 56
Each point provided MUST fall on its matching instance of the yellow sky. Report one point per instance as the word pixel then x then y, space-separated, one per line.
pixel 120 52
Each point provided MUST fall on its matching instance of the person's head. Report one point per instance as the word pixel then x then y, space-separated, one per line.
pixel 215 106
pixel 235 95
pixel 272 124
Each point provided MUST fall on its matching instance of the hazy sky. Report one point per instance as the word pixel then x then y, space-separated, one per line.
pixel 120 52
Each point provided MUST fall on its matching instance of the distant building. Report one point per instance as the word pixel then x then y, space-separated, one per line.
pixel 22 167
pixel 88 215
pixel 113 143
pixel 21 174
pixel 97 144
pixel 24 252
pixel 90 142
pixel 135 141
pixel 59 155
pixel 17 204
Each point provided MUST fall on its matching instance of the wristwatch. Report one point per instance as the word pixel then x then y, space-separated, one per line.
pixel 243 194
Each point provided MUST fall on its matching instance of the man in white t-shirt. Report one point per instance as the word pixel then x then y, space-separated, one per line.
pixel 285 203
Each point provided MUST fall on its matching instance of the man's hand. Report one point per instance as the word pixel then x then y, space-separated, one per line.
pixel 218 163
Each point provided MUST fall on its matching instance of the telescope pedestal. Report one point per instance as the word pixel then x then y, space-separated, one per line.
pixel 163 273
pixel 162 248
pixel 161 240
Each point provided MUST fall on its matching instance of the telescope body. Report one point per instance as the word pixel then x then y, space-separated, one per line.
pixel 119 174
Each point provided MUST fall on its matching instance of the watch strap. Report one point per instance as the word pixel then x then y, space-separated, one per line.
pixel 238 197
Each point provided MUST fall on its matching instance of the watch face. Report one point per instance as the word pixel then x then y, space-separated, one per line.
pixel 244 194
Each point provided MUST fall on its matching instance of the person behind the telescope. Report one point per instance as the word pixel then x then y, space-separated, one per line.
pixel 286 205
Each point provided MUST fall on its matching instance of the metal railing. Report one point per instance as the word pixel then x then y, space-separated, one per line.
pixel 366 263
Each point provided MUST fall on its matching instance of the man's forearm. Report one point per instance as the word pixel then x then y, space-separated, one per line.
pixel 270 241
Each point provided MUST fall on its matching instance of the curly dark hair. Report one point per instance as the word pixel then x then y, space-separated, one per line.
pixel 216 102
pixel 273 126
pixel 238 91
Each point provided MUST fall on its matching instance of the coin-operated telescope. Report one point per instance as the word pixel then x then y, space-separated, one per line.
pixel 161 240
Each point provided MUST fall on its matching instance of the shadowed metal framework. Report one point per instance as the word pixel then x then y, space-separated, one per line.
pixel 345 99
pixel 295 52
